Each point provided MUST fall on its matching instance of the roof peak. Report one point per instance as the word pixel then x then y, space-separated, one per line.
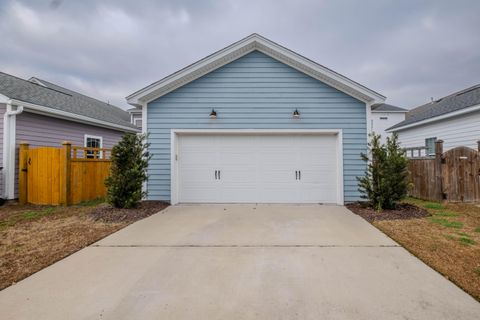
pixel 242 47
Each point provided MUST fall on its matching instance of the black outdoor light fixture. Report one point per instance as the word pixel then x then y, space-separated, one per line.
pixel 213 114
pixel 296 114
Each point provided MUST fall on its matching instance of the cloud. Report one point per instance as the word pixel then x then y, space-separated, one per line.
pixel 408 50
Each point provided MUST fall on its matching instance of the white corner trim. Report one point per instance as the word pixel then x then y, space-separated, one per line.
pixel 144 131
pixel 241 48
pixel 174 133
pixel 34 108
pixel 340 174
pixel 369 119
pixel 437 118
pixel 144 118
pixel 9 145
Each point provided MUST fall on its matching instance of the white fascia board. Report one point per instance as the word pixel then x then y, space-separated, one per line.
pixel 33 108
pixel 375 111
pixel 241 48
pixel 437 118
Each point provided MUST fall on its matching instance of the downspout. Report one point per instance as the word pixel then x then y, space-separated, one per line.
pixel 9 144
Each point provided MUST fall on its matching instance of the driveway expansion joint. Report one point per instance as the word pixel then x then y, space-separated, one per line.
pixel 243 246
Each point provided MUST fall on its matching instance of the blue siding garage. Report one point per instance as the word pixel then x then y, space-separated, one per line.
pixel 255 91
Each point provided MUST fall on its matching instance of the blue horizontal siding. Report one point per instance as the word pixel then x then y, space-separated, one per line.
pixel 255 92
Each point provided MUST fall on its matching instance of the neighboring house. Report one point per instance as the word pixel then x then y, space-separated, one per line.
pixel 44 114
pixel 255 122
pixel 455 119
pixel 385 116
pixel 136 116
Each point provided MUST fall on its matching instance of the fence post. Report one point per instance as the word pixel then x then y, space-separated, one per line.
pixel 438 170
pixel 478 145
pixel 23 173
pixel 65 174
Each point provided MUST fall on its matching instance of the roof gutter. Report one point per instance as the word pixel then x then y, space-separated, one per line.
pixel 437 118
pixel 71 116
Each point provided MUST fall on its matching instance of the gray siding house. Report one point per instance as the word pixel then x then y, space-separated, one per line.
pixel 44 114
pixel 455 119
pixel 255 122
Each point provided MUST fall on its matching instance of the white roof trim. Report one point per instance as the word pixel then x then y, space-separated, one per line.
pixel 241 48
pixel 437 118
pixel 34 108
pixel 375 111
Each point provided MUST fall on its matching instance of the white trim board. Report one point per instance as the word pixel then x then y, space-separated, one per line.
pixel 174 133
pixel 241 48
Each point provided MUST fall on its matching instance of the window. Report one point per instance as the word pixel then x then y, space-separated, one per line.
pixel 430 145
pixel 138 122
pixel 93 142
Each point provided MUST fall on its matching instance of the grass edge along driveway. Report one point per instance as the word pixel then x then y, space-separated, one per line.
pixel 448 240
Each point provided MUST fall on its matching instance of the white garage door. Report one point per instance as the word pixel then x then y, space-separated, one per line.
pixel 257 168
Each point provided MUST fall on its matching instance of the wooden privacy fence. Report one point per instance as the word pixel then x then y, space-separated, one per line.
pixel 452 176
pixel 62 176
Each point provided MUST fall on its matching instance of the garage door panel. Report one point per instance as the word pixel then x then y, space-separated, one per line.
pixel 257 168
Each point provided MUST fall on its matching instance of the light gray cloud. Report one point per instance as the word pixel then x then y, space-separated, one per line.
pixel 407 50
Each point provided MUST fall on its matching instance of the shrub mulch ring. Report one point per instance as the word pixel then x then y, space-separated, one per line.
pixel 402 211
pixel 107 213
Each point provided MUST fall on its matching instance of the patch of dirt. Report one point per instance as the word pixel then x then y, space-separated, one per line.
pixel 107 213
pixel 402 211
pixel 33 242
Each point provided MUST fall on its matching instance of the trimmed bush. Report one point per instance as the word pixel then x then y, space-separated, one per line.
pixel 128 171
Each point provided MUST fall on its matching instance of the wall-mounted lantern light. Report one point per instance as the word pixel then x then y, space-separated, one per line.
pixel 213 114
pixel 296 114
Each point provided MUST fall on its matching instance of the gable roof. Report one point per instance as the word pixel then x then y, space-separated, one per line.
pixel 241 48
pixel 444 107
pixel 58 99
pixel 384 107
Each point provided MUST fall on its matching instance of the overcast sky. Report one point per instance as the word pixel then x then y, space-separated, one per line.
pixel 408 51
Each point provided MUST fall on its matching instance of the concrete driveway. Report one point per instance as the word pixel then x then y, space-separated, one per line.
pixel 240 262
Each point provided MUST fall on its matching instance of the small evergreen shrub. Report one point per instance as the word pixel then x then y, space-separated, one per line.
pixel 128 171
pixel 386 178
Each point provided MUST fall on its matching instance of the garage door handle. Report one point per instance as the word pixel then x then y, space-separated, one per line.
pixel 219 175
pixel 299 175
pixel 215 174
pixel 296 175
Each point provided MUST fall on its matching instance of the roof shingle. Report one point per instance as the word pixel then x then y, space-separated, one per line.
pixel 59 98
pixel 384 107
pixel 456 101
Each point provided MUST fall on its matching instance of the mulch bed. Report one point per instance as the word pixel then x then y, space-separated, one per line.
pixel 403 211
pixel 107 213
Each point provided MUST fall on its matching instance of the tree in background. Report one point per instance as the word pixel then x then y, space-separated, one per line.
pixel 128 171
pixel 385 182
